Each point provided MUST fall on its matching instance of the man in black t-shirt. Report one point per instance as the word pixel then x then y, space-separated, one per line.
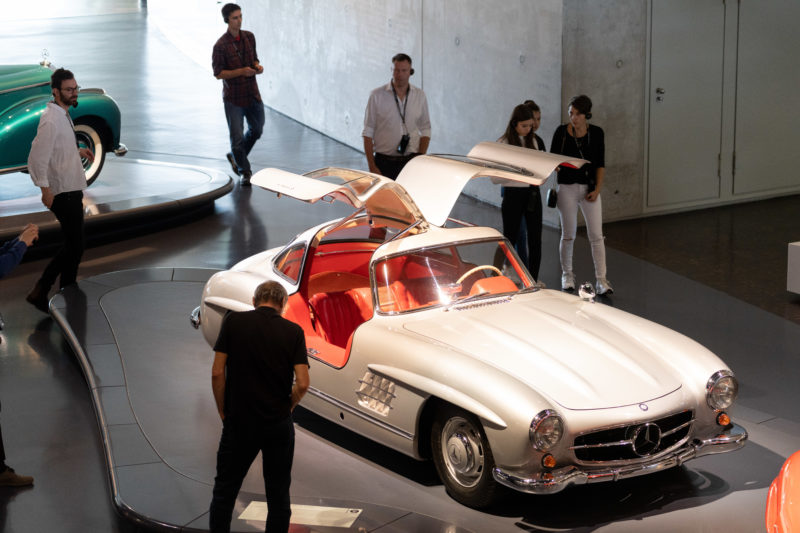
pixel 257 356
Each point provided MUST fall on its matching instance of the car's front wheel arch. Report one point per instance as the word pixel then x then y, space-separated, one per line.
pixel 462 456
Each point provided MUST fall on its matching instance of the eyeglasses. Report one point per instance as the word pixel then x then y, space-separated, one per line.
pixel 71 89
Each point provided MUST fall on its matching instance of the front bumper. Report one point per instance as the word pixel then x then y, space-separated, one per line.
pixel 554 481
pixel 121 150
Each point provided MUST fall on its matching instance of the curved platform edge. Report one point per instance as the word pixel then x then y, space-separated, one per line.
pixel 212 184
pixel 87 329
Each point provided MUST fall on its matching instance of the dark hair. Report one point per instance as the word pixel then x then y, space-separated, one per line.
pixel 401 57
pixel 521 113
pixel 533 105
pixel 582 104
pixel 59 76
pixel 227 9
pixel 270 292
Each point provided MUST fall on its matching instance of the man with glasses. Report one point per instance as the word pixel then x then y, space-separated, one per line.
pixel 55 167
pixel 235 62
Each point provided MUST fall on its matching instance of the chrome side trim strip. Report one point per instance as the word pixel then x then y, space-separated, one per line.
pixel 363 416
pixel 31 86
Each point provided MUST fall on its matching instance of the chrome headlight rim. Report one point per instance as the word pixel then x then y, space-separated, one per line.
pixel 540 441
pixel 714 381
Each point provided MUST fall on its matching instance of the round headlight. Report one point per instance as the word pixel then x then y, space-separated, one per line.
pixel 721 389
pixel 547 428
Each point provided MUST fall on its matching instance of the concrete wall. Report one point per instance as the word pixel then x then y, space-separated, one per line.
pixel 605 46
pixel 474 59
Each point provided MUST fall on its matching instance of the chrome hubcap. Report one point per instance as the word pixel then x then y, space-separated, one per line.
pixel 462 451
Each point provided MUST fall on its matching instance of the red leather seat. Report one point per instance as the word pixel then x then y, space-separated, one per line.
pixel 338 314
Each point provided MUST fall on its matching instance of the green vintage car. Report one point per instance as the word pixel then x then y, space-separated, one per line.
pixel 24 93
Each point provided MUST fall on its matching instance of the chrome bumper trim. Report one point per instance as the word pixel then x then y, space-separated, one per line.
pixel 557 480
pixel 120 150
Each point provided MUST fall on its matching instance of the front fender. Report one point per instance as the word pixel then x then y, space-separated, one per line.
pixel 94 105
pixel 18 125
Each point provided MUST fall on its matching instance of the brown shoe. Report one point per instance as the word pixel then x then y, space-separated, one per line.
pixel 38 298
pixel 9 478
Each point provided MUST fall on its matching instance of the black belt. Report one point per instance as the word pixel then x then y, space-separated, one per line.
pixel 396 157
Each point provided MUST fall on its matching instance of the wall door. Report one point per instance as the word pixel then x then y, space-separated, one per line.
pixel 686 78
pixel 767 82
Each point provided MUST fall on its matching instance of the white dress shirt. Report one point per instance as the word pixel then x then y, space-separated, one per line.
pixel 54 160
pixel 384 125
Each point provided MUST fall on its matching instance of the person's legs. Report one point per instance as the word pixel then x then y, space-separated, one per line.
pixel 9 478
pixel 512 208
pixel 593 214
pixel 254 114
pixel 533 222
pixel 568 198
pixel 70 215
pixel 235 117
pixel 522 241
pixel 234 457
pixel 389 167
pixel 278 453
pixel 2 450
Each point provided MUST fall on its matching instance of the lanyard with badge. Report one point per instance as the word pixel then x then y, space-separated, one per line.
pixel 401 148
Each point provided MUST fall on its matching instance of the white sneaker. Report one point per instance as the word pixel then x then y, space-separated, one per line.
pixel 603 286
pixel 567 281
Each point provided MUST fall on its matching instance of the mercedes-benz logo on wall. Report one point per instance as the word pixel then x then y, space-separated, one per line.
pixel 646 439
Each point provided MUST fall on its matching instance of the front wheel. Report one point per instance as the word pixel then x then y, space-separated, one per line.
pixel 463 458
pixel 88 137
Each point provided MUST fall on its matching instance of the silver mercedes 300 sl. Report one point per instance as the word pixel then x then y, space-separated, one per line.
pixel 428 336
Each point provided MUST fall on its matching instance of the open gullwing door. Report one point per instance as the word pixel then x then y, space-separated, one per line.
pixel 436 181
pixel 382 197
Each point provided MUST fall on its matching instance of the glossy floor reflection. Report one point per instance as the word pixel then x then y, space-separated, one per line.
pixel 172 112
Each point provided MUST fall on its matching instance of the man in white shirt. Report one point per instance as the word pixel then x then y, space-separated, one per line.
pixel 55 166
pixel 396 123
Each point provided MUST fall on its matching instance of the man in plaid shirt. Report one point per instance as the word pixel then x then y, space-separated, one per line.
pixel 235 62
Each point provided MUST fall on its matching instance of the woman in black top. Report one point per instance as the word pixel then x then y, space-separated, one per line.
pixel 581 188
pixel 523 200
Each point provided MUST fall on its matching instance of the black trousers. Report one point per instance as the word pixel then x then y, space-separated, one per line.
pixel 68 209
pixel 390 165
pixel 2 450
pixel 528 201
pixel 238 447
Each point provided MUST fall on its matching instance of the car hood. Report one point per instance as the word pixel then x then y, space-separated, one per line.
pixel 562 347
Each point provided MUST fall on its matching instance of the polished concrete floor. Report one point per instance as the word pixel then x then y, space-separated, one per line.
pixel 48 419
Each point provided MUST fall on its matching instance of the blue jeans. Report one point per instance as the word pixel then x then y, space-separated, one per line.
pixel 238 447
pixel 242 143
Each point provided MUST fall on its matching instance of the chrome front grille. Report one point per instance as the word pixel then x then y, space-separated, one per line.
pixel 635 441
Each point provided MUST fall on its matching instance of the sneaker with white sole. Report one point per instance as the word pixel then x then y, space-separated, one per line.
pixel 603 286
pixel 567 281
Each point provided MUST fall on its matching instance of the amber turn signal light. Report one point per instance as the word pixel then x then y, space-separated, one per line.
pixel 723 419
pixel 548 461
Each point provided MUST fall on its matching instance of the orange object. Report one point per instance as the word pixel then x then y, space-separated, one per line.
pixel 783 499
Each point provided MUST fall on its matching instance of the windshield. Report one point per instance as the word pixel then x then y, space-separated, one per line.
pixel 448 274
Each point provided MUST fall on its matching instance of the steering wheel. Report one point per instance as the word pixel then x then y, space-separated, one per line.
pixel 472 270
